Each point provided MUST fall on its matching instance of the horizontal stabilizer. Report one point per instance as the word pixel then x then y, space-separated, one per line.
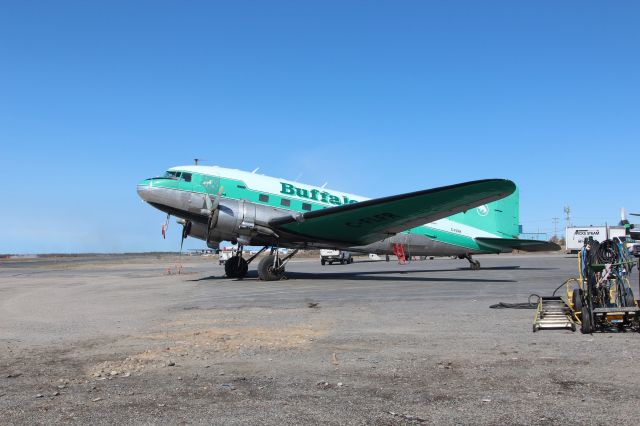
pixel 508 244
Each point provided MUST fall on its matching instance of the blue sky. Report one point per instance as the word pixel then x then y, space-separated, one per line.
pixel 375 97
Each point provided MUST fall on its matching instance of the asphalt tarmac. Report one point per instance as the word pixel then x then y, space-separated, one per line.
pixel 116 339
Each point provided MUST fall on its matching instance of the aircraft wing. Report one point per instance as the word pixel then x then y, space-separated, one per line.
pixel 373 220
pixel 508 244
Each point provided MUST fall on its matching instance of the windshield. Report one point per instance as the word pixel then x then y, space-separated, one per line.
pixel 175 175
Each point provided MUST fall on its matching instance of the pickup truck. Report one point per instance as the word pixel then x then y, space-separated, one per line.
pixel 331 256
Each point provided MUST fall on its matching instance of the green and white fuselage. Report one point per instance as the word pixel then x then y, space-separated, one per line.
pixel 252 208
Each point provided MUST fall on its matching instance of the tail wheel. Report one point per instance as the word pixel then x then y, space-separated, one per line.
pixel 267 271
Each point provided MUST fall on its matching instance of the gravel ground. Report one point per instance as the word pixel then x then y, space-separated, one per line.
pixel 115 339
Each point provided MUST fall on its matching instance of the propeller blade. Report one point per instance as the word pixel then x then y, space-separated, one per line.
pixel 634 214
pixel 212 205
pixel 216 201
pixel 214 212
pixel 186 229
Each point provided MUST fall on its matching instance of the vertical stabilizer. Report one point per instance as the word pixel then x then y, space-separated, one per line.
pixel 500 218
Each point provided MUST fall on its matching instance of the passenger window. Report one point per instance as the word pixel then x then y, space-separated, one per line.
pixel 263 198
pixel 285 202
pixel 306 206
pixel 186 177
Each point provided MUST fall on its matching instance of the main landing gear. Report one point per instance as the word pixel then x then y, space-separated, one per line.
pixel 474 265
pixel 236 266
pixel 270 268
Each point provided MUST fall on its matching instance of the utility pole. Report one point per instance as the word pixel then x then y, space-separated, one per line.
pixel 555 227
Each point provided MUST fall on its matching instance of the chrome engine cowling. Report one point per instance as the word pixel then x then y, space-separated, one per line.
pixel 239 221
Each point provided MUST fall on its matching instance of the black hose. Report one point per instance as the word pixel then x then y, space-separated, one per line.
pixel 527 305
pixel 560 286
pixel 606 252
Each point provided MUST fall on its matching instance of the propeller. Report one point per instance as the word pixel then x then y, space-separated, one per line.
pixel 186 229
pixel 214 211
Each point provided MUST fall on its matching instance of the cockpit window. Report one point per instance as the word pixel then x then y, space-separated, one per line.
pixel 175 175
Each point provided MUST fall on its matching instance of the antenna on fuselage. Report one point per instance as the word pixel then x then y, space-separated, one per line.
pixel 324 184
pixel 299 176
pixel 198 160
pixel 255 170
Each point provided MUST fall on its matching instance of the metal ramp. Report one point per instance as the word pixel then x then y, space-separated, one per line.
pixel 553 314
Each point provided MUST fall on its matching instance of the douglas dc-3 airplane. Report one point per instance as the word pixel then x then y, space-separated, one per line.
pixel 218 204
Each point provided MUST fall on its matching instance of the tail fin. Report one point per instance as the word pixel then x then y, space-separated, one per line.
pixel 500 218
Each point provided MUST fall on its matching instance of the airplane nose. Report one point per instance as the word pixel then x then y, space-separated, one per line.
pixel 144 189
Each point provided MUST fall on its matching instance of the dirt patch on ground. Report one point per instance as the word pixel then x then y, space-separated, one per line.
pixel 197 339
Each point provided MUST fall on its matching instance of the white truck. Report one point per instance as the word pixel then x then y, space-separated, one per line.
pixel 575 235
pixel 337 256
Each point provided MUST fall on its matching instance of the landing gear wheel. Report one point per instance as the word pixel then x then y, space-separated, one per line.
pixel 474 265
pixel 267 271
pixel 236 267
pixel 585 318
pixel 576 299
pixel 342 261
pixel 322 262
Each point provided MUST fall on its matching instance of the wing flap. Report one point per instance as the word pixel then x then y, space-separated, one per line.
pixel 509 244
pixel 373 220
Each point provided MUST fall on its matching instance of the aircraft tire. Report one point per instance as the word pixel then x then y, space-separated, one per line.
pixel 475 265
pixel 266 271
pixel 585 318
pixel 322 262
pixel 236 267
pixel 577 301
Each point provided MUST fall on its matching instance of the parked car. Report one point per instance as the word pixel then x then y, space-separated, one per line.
pixel 337 256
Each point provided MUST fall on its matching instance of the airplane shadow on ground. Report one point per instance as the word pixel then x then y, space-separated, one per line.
pixel 393 275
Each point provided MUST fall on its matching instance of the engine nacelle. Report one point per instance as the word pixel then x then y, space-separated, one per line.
pixel 239 221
